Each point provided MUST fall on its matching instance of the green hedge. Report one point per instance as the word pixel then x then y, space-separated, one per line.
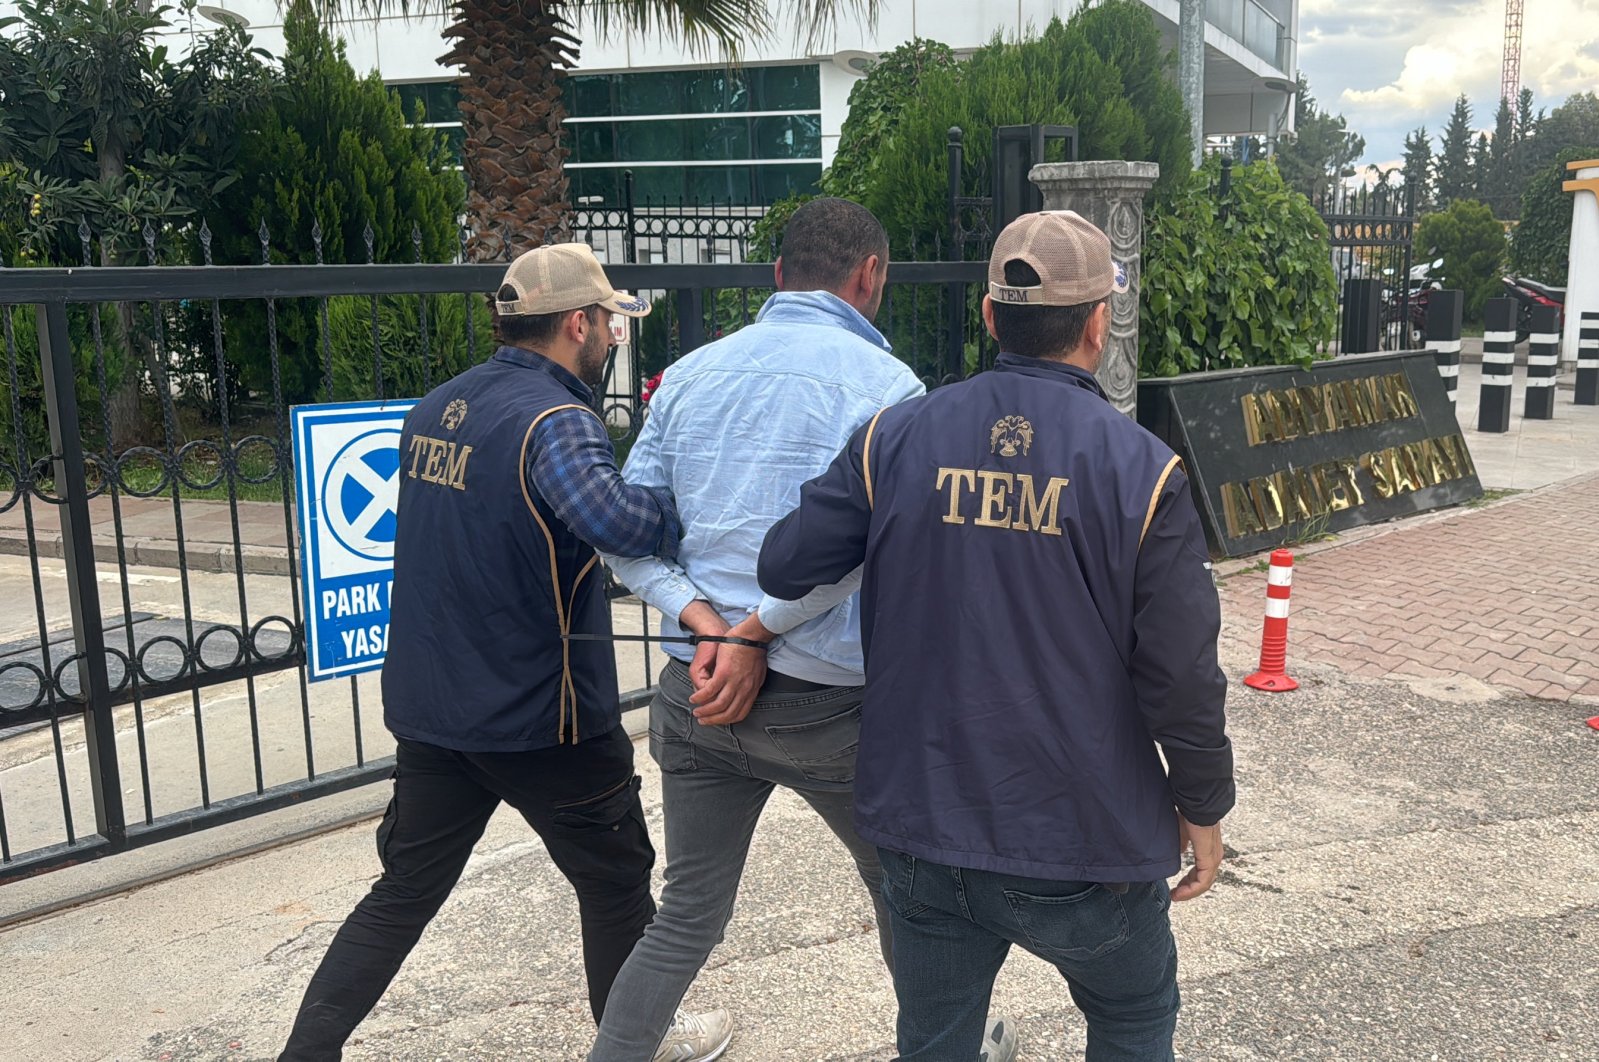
pixel 1253 287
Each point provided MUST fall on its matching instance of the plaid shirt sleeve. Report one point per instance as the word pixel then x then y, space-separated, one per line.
pixel 572 466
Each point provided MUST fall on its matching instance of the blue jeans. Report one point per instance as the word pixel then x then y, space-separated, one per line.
pixel 952 929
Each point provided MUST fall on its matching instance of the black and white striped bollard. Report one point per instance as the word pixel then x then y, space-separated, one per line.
pixel 1543 363
pixel 1588 360
pixel 1444 311
pixel 1498 365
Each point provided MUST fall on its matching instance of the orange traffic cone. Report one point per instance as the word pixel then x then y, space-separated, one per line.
pixel 1273 676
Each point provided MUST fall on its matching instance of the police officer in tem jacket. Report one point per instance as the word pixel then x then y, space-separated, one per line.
pixel 508 485
pixel 1040 624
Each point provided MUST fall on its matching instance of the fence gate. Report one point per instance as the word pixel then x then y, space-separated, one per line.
pixel 152 659
pixel 1372 230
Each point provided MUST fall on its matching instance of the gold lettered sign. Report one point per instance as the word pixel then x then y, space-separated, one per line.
pixel 1279 453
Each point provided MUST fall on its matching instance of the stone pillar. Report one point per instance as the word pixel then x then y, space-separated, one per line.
pixel 1191 69
pixel 1111 195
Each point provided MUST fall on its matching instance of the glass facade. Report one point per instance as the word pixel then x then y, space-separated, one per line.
pixel 759 88
pixel 746 137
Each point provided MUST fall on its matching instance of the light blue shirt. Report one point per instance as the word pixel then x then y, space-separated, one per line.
pixel 734 430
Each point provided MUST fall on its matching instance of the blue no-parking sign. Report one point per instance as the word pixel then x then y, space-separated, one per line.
pixel 347 476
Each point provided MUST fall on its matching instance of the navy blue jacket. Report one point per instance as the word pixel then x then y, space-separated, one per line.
pixel 1038 614
pixel 487 579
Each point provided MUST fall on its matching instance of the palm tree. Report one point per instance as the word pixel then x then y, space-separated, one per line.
pixel 514 55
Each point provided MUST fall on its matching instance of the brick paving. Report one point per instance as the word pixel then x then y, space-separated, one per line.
pixel 1508 594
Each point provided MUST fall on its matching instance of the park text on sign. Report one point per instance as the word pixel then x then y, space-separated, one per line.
pixel 347 465
pixel 1282 453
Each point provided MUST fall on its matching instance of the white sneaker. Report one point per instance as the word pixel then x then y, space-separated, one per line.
pixel 698 1037
pixel 999 1041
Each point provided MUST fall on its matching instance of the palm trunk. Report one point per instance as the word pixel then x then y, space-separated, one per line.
pixel 515 54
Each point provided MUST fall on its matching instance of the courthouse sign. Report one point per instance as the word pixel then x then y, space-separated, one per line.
pixel 1277 453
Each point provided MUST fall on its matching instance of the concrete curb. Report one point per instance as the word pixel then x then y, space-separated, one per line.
pixel 156 553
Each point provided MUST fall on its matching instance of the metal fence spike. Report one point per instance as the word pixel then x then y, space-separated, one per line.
pixel 371 242
pixel 205 240
pixel 316 238
pixel 265 236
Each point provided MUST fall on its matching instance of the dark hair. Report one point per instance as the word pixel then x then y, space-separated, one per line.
pixel 1038 331
pixel 826 240
pixel 532 331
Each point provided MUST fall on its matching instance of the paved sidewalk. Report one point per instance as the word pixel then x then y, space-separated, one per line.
pixel 1411 877
pixel 1533 453
pixel 1408 880
pixel 149 533
pixel 1507 594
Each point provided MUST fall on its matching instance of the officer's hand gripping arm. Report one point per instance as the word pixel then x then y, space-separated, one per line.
pixel 824 539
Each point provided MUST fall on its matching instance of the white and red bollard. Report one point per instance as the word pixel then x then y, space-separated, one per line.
pixel 1273 675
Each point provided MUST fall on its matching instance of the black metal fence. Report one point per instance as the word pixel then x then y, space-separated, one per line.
pixel 152 663
pixel 1372 232
pixel 651 232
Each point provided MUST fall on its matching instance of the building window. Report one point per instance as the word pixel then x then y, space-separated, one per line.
pixel 741 137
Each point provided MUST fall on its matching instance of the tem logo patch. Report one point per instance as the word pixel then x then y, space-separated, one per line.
pixel 454 414
pixel 1011 435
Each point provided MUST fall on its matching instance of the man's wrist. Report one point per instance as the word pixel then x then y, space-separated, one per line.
pixel 700 618
pixel 752 629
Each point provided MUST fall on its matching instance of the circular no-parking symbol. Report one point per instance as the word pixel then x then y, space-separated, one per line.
pixel 360 493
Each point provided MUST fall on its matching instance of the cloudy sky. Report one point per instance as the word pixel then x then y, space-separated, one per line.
pixel 1390 66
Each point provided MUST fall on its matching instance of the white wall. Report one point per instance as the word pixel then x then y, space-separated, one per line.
pixel 1582 283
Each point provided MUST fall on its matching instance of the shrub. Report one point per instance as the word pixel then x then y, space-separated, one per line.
pixel 1541 245
pixel 1104 72
pixel 334 150
pixel 25 408
pixel 1472 244
pixel 1255 287
pixel 407 370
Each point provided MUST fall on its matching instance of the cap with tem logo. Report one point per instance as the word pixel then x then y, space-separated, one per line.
pixel 561 277
pixel 1068 252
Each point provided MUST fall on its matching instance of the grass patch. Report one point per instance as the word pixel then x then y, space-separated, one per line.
pixel 1312 530
pixel 254 463
pixel 1491 496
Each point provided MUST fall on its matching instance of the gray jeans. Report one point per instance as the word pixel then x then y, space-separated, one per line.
pixel 714 783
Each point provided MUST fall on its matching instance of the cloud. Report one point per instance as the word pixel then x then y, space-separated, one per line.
pixel 1433 75
pixel 1391 68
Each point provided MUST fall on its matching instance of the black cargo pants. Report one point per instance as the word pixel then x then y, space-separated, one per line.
pixel 582 800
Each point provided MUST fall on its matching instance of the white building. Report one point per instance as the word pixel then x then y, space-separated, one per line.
pixel 690 129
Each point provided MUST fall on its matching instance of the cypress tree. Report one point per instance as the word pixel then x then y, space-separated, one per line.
pixel 1418 168
pixel 335 149
pixel 1454 157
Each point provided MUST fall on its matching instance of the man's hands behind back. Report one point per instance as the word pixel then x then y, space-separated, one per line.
pixel 733 675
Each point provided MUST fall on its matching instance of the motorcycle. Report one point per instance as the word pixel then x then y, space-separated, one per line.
pixel 1408 331
pixel 1530 294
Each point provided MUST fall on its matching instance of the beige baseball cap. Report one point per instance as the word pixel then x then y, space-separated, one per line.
pixel 561 277
pixel 1068 252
